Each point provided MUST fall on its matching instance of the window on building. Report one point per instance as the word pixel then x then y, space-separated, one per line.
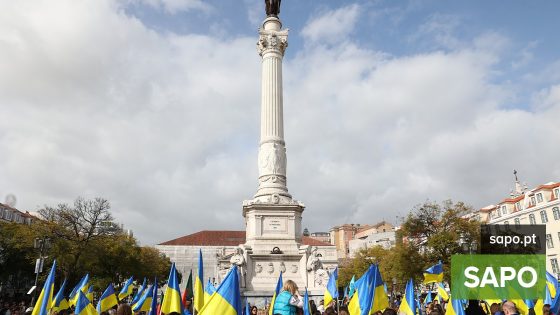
pixel 532 220
pixel 518 206
pixel 517 221
pixel 504 210
pixel 554 263
pixel 556 192
pixel 549 243
pixel 544 218
pixel 539 197
pixel 506 224
pixel 559 236
pixel 533 201
pixel 556 213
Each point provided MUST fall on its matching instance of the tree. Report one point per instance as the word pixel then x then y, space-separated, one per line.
pixel 438 231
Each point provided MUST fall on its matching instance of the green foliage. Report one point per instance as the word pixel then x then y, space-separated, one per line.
pixel 84 239
pixel 430 233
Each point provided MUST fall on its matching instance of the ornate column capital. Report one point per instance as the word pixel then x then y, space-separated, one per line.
pixel 271 40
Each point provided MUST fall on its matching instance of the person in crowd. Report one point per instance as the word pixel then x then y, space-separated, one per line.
pixel 321 306
pixel 312 307
pixel 124 309
pixel 389 311
pixel 495 309
pixel 330 311
pixel 254 310
pixel 288 300
pixel 509 308
pixel 474 308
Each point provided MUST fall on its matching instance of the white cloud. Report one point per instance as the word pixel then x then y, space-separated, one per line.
pixel 166 126
pixel 332 26
pixel 174 6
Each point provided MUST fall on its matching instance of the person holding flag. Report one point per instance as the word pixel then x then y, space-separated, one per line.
pixel 288 300
pixel 45 300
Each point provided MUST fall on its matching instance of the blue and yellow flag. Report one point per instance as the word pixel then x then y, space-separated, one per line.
pixel 551 283
pixel 428 298
pixel 45 300
pixel 408 304
pixel 60 302
pixel 154 305
pixel 81 286
pixel 306 308
pixel 144 302
pixel 209 290
pixel 83 305
pixel 227 299
pixel 331 292
pixel 352 286
pixel 361 301
pixel 172 296
pixel 441 292
pixel 89 294
pixel 380 300
pixel 198 285
pixel 107 300
pixel 279 285
pixel 126 289
pixel 247 308
pixel 455 307
pixel 434 273
pixel 139 293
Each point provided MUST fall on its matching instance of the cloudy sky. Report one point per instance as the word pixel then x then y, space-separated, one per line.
pixel 154 105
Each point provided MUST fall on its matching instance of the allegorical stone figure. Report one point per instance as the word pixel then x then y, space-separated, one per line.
pixel 272 7
pixel 239 260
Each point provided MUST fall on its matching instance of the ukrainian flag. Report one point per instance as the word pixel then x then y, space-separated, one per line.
pixel 227 299
pixel 198 285
pixel 455 308
pixel 83 305
pixel 144 302
pixel 441 292
pixel 209 290
pixel 380 299
pixel 428 298
pixel 139 293
pixel 127 289
pixel 172 296
pixel 60 302
pixel 89 294
pixel 361 301
pixel 81 286
pixel 154 305
pixel 408 304
pixel 45 300
pixel 331 292
pixel 434 273
pixel 279 285
pixel 306 310
pixel 351 286
pixel 551 283
pixel 108 299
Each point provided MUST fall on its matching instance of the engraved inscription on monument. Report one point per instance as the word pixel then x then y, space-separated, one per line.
pixel 275 225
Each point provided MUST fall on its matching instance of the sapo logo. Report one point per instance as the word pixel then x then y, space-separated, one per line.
pixel 498 276
pixel 505 275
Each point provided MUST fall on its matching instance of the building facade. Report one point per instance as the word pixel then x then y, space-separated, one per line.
pixel 539 205
pixel 10 214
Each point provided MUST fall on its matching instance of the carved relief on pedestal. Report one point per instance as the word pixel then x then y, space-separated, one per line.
pixel 272 160
pixel 294 268
pixel 258 268
pixel 270 268
pixel 321 278
pixel 282 267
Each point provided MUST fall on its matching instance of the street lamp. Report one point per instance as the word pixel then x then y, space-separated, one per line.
pixel 41 244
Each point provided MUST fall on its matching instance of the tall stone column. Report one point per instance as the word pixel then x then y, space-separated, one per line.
pixel 272 150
